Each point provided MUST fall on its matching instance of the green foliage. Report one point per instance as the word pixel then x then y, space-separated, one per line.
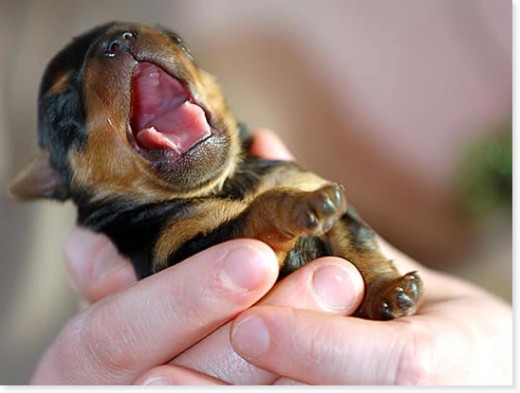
pixel 486 176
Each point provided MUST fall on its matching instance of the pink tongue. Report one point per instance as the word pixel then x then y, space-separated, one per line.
pixel 179 129
pixel 162 116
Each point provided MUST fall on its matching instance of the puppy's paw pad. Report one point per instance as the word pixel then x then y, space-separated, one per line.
pixel 400 297
pixel 320 209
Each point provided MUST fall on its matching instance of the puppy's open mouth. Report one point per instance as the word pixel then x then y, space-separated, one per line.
pixel 163 115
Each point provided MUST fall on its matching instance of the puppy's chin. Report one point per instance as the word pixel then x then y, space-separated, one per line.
pixel 204 167
pixel 110 168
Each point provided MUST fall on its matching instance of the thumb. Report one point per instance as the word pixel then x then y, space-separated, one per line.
pixel 330 349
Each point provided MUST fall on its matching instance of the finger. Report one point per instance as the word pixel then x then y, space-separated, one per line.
pixel 329 284
pixel 95 266
pixel 317 348
pixel 332 285
pixel 176 375
pixel 266 144
pixel 145 325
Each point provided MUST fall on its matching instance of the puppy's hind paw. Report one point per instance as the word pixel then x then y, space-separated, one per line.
pixel 393 299
pixel 400 298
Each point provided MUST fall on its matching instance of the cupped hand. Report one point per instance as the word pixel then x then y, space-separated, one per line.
pixel 461 335
pixel 330 285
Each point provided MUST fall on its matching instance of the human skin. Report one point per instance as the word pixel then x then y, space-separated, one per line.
pixel 195 322
pixel 462 335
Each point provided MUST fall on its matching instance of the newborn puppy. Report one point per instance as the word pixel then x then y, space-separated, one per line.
pixel 141 140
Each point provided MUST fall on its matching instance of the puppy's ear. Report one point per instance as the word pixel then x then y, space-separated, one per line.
pixel 37 179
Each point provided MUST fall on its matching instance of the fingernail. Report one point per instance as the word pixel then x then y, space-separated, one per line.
pixel 107 260
pixel 250 337
pixel 245 267
pixel 333 287
pixel 156 380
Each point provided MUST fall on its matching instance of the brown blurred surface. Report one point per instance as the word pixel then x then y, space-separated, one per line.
pixel 381 96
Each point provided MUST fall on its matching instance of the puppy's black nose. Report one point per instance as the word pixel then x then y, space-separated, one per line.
pixel 119 42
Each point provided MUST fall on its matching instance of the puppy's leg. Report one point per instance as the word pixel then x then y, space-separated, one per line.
pixel 280 216
pixel 388 294
pixel 277 216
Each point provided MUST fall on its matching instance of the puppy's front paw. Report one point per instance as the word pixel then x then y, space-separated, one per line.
pixel 317 211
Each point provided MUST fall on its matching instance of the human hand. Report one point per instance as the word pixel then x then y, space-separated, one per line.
pixel 116 339
pixel 133 332
pixel 461 335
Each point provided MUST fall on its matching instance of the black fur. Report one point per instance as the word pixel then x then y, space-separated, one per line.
pixel 65 111
pixel 135 228
pixel 307 249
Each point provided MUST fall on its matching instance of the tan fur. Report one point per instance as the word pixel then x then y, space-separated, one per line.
pixel 59 84
pixel 269 211
pixel 204 218
pixel 291 178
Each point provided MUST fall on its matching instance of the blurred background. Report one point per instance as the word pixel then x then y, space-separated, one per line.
pixel 408 103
